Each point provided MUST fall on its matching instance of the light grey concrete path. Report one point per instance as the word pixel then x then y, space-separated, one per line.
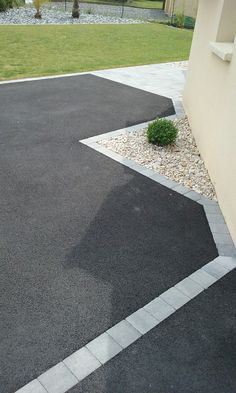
pixel 165 79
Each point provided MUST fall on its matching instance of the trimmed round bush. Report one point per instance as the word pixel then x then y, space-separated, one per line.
pixel 162 132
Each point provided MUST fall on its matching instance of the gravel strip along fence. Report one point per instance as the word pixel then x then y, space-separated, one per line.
pixel 129 12
pixel 55 14
pixel 60 13
pixel 181 162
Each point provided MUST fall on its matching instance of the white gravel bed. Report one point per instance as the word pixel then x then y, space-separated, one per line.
pixel 180 162
pixel 25 16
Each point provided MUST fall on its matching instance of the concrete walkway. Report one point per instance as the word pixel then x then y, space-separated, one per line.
pixel 87 242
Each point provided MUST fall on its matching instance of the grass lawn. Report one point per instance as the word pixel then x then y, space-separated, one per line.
pixel 131 3
pixel 28 51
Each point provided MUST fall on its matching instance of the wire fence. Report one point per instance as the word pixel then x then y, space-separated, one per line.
pixel 123 9
pixel 116 8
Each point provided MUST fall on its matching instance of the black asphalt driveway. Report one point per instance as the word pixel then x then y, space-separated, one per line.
pixel 84 240
pixel 192 351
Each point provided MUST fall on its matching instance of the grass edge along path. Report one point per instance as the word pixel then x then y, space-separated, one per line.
pixel 31 51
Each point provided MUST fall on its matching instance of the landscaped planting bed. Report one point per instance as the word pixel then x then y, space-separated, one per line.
pixel 180 162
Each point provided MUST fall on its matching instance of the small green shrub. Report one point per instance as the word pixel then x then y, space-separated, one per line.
pixel 162 132
pixel 178 19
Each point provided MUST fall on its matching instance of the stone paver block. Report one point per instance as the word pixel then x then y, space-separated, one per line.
pixel 181 189
pixel 189 287
pixel 212 209
pixel 147 172
pixel 218 227
pixel 104 347
pixel 215 218
pixel 221 238
pixel 131 164
pixel 227 250
pixel 109 153
pixel 228 263
pixel 142 321
pixel 82 363
pixel 33 387
pixel 124 333
pixel 96 146
pixel 209 205
pixel 159 309
pixel 215 269
pixel 175 298
pixel 168 183
pixel 58 379
pixel 158 178
pixel 193 195
pixel 202 278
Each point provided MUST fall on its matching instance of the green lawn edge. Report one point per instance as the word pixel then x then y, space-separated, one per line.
pixel 45 50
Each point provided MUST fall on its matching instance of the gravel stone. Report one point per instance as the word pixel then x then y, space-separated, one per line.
pixel 54 14
pixel 180 162
pixel 183 65
pixel 128 12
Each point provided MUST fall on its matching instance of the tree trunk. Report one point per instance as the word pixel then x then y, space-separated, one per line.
pixel 75 9
pixel 38 15
pixel 164 4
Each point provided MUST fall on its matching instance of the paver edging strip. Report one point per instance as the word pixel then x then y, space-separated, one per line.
pixel 72 370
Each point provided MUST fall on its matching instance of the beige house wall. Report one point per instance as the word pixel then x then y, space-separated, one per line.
pixel 210 100
pixel 188 7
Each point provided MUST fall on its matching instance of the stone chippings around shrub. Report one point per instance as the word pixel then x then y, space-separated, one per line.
pixel 53 15
pixel 181 162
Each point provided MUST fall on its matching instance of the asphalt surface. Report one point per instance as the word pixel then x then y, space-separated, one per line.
pixel 72 108
pixel 84 240
pixel 192 351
